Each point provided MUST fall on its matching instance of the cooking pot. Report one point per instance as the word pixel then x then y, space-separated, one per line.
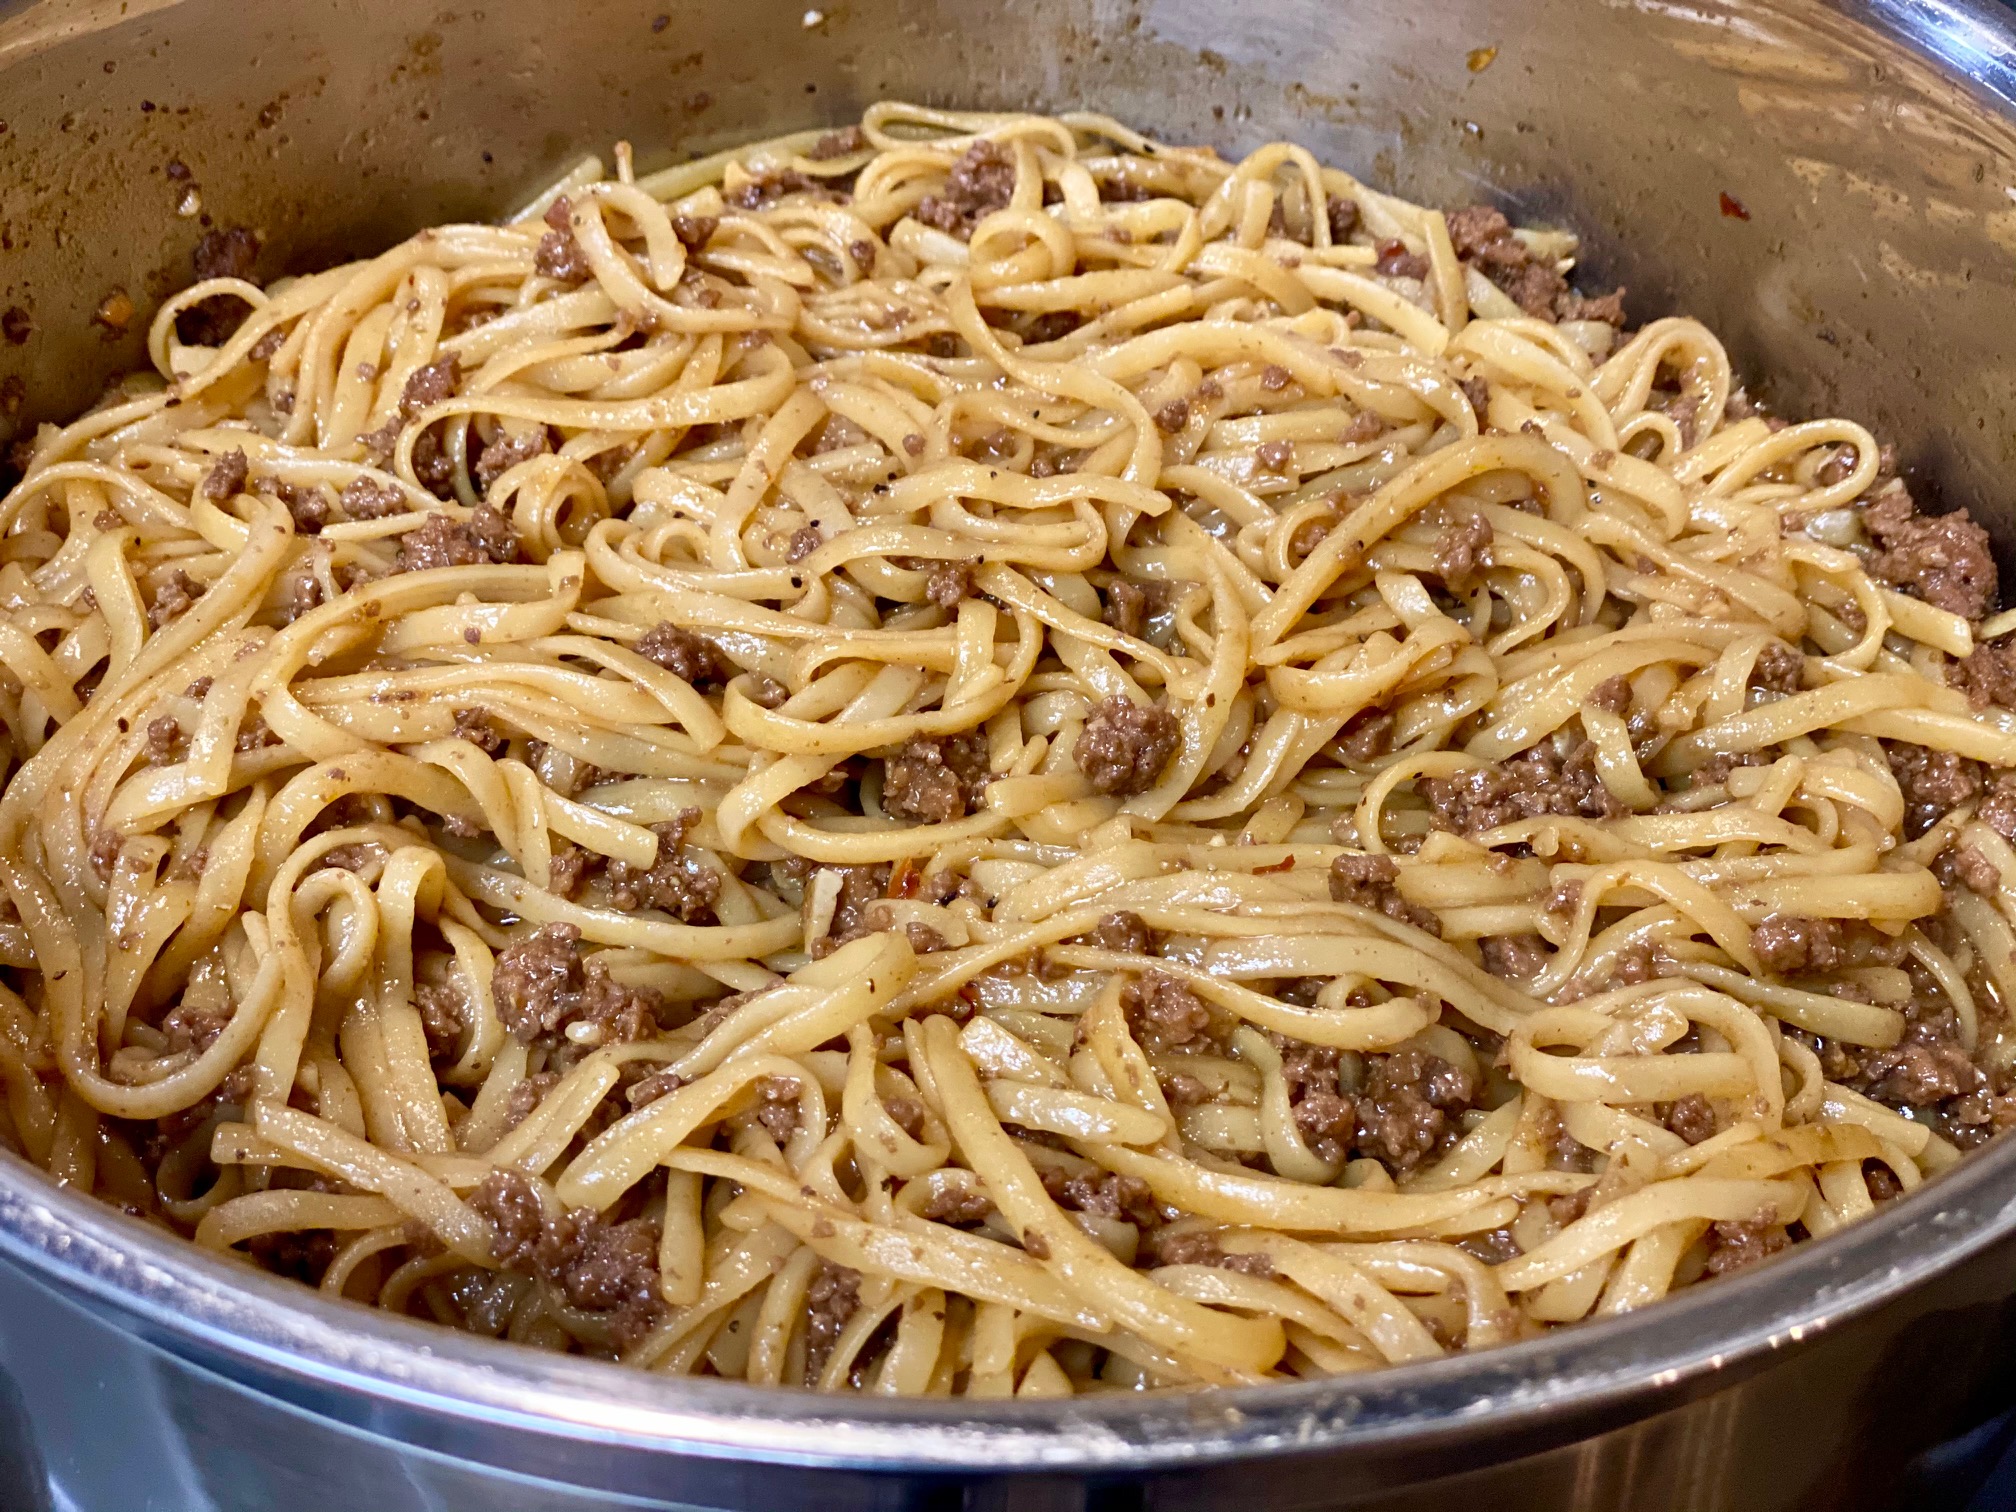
pixel 1832 188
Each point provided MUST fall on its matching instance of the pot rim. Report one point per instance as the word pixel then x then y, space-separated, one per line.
pixel 347 1357
pixel 224 1314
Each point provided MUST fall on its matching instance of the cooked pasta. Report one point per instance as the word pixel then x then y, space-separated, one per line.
pixel 976 755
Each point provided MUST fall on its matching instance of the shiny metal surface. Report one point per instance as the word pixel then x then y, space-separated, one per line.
pixel 1871 145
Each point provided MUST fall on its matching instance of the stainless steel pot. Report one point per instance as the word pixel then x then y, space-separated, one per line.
pixel 1860 263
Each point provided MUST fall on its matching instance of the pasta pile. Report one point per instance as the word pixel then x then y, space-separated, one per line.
pixel 977 755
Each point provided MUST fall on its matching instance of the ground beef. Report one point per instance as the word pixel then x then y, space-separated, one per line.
pixel 1942 559
pixel 1515 956
pixel 1184 1090
pixel 354 857
pixel 1998 807
pixel 685 655
pixel 777 1106
pixel 194 1026
pixel 1734 1245
pixel 599 1266
pixel 1483 238
pixel 1343 217
pixel 1277 457
pixel 956 1205
pixel 1129 605
pixel 861 887
pixel 1493 1247
pixel 307 506
pixel 105 847
pixel 1103 1195
pixel 254 734
pixel 430 385
pixel 804 541
pixel 830 1302
pixel 1459 551
pixel 165 745
pixel 1608 308
pixel 1635 962
pixel 1926 1069
pixel 922 937
pixel 1934 783
pixel 1125 932
pixel 1568 1206
pixel 1788 943
pixel 1987 676
pixel 1164 1013
pixel 937 779
pixel 981 182
pixel 1533 783
pixel 837 144
pixel 443 1010
pixel 172 598
pixel 508 1202
pixel 226 478
pixel 1396 261
pixel 365 498
pixel 1368 735
pixel 507 451
pixel 1407 1111
pixel 1201 1247
pixel 949 584
pixel 907 1114
pixel 762 192
pixel 1367 882
pixel 1882 1181
pixel 1716 769
pixel 649 1089
pixel 559 256
pixel 1124 745
pixel 767 693
pixel 1479 234
pixel 443 541
pixel 675 882
pixel 541 984
pixel 1779 669
pixel 1325 1115
pixel 1691 1117
pixel 526 1097
pixel 1478 392
pixel 474 725
pixel 567 868
pixel 302 1254
pixel 1973 870
pixel 1612 695
pixel 226 252
pixel 695 231
pixel 1174 415
pixel 1792 943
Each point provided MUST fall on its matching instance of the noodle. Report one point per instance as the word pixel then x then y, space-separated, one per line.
pixel 977 755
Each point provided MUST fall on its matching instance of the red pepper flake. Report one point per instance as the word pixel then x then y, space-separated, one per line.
pixel 905 880
pixel 1285 865
pixel 1733 207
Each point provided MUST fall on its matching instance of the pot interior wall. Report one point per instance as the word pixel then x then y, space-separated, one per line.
pixel 1866 280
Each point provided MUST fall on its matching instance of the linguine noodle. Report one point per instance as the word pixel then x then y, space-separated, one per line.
pixel 977 755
